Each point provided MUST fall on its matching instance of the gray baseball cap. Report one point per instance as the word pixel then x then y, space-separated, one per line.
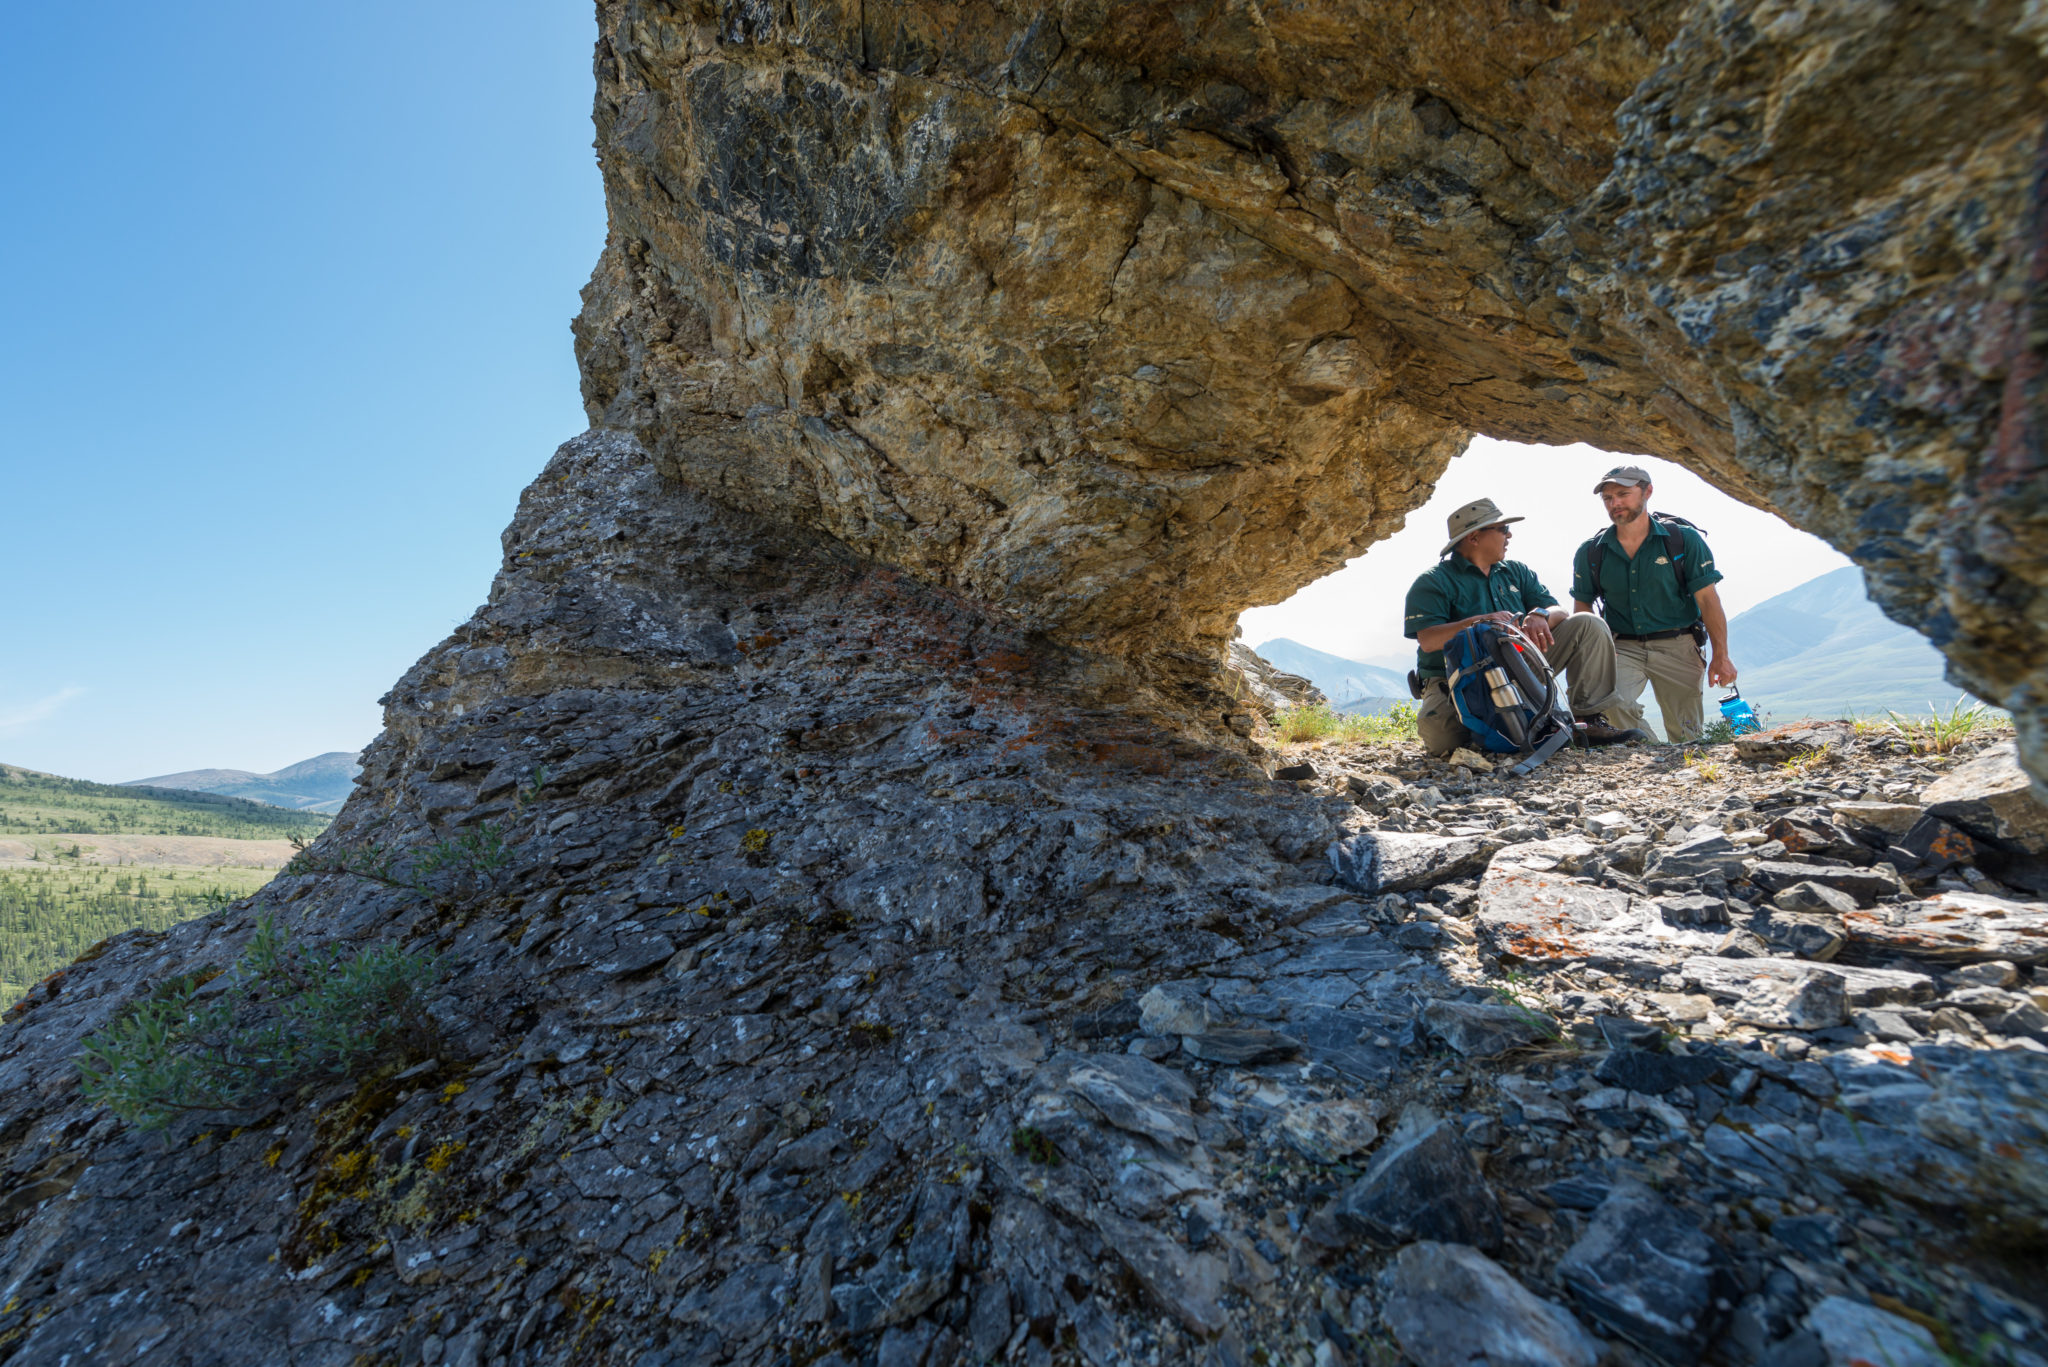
pixel 1481 512
pixel 1624 474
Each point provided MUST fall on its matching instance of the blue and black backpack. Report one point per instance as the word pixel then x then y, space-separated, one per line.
pixel 1506 694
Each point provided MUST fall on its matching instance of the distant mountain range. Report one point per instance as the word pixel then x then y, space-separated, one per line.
pixel 319 784
pixel 1821 649
pixel 1350 685
pixel 1824 649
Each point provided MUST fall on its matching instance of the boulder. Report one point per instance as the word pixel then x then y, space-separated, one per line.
pixel 1654 1073
pixel 1532 910
pixel 1857 1334
pixel 1952 928
pixel 1781 743
pixel 1728 979
pixel 1808 895
pixel 1648 1273
pixel 1865 885
pixel 1816 1001
pixel 1483 1030
pixel 1241 1048
pixel 1175 1009
pixel 1451 1306
pixel 1992 798
pixel 1331 1131
pixel 1809 936
pixel 1400 861
pixel 1892 819
pixel 1700 855
pixel 1422 1184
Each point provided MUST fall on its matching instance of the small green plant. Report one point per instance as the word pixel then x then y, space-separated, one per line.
pixel 1708 769
pixel 1720 732
pixel 1936 734
pixel 288 1016
pixel 1509 994
pixel 1030 1144
pixel 1805 763
pixel 463 866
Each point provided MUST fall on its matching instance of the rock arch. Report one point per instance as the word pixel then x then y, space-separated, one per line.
pixel 1121 317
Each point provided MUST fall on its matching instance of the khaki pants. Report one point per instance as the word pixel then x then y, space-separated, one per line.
pixel 1675 671
pixel 1584 654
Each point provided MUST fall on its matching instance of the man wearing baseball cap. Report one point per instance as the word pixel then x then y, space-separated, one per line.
pixel 1653 579
pixel 1474 581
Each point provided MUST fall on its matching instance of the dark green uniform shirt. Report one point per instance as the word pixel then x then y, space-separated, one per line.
pixel 1648 593
pixel 1456 589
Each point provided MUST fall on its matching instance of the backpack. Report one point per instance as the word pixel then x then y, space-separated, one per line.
pixel 1506 694
pixel 1674 551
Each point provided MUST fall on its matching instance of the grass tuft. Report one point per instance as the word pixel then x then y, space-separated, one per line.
pixel 1321 722
pixel 1938 734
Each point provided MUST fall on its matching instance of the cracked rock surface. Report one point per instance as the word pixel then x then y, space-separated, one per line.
pixel 865 989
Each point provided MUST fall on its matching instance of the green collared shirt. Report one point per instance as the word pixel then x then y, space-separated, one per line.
pixel 1646 593
pixel 1456 589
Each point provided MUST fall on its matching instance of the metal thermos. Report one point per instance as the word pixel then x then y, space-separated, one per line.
pixel 1505 695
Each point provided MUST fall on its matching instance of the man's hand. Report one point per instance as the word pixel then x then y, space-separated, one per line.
pixel 1721 671
pixel 1536 626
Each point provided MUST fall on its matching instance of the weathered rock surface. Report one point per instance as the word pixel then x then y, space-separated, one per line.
pixel 854 709
pixel 1992 798
pixel 1449 1305
pixel 1126 317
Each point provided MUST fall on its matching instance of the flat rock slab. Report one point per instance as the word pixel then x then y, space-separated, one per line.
pixel 1806 934
pixel 1401 861
pixel 1816 1001
pixel 1422 1184
pixel 1852 1333
pixel 1700 856
pixel 1892 818
pixel 1865 885
pixel 1532 910
pixel 1648 1273
pixel 1954 928
pixel 1729 979
pixel 1451 1306
pixel 1992 798
pixel 1483 1030
pixel 1241 1048
pixel 1781 743
pixel 1645 1070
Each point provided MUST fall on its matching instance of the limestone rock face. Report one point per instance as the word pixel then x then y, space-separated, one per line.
pixel 1123 317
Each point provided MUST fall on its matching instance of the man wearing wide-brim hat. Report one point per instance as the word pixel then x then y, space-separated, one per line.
pixel 1476 582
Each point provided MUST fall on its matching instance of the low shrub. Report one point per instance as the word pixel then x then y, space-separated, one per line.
pixel 287 1017
pixel 1321 722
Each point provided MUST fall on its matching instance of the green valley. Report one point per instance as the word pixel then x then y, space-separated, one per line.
pixel 81 861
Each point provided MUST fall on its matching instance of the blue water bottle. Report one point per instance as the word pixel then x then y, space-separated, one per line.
pixel 1739 713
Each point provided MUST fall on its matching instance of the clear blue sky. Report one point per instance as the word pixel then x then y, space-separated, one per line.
pixel 285 331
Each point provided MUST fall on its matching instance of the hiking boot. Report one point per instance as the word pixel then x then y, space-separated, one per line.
pixel 1594 729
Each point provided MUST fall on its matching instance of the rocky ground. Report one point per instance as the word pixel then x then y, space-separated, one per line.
pixel 870 982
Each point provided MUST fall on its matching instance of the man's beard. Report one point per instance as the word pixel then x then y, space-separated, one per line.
pixel 1623 516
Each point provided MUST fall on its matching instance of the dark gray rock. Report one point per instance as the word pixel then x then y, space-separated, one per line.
pixel 1992 798
pixel 1701 855
pixel 1422 1184
pixel 1808 895
pixel 1399 861
pixel 1452 1306
pixel 1641 1070
pixel 1484 1030
pixel 1696 909
pixel 1953 928
pixel 1241 1047
pixel 1295 772
pixel 1648 1273
pixel 1865 885
pixel 1810 936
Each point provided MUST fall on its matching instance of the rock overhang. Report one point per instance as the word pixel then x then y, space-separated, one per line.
pixel 1122 318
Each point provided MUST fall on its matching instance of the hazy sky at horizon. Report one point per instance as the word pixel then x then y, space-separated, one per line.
pixel 287 297
pixel 286 329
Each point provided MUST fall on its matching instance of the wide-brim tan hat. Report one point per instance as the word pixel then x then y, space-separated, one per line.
pixel 1482 512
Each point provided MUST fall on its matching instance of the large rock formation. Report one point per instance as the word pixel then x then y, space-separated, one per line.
pixel 1123 317
pixel 850 715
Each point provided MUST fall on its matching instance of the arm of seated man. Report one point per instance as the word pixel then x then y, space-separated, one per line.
pixel 1439 636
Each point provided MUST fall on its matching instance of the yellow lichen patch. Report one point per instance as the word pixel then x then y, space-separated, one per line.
pixel 754 841
pixel 452 1090
pixel 270 1159
pixel 442 1155
pixel 656 1259
pixel 404 1132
